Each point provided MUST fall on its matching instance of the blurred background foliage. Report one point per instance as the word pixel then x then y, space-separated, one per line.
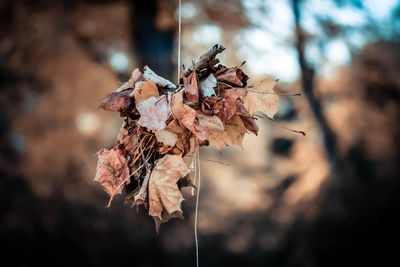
pixel 325 199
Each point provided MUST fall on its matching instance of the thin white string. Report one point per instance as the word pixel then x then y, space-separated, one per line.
pixel 197 203
pixel 197 155
pixel 179 41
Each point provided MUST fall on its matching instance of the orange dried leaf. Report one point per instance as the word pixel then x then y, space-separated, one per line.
pixel 145 91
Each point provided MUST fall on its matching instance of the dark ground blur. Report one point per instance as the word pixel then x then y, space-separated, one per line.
pixel 295 206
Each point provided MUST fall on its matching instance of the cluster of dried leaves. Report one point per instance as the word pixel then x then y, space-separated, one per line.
pixel 165 123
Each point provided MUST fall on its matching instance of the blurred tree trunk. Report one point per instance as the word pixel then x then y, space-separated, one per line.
pixel 153 45
pixel 307 74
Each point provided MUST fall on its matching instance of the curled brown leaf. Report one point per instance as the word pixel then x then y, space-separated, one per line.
pixel 117 101
pixel 191 88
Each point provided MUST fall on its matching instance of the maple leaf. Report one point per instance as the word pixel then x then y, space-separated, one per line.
pixel 164 193
pixel 145 90
pixel 112 171
pixel 191 88
pixel 262 98
pixel 233 134
pixel 117 101
pixel 154 112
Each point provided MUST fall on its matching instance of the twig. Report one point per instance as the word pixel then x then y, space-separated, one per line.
pixel 272 93
pixel 279 125
pixel 142 194
pixel 210 160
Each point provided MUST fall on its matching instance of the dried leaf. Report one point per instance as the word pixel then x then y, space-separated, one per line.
pixel 235 93
pixel 175 127
pixel 189 121
pixel 189 118
pixel 177 107
pixel 262 98
pixel 154 112
pixel 183 144
pixel 148 74
pixel 191 88
pixel 233 134
pixel 117 101
pixel 209 122
pixel 145 91
pixel 185 182
pixel 166 137
pixel 112 171
pixel 165 217
pixel 247 119
pixel 127 140
pixel 163 189
pixel 229 76
pixel 211 107
pixel 208 85
pixel 136 76
pixel 230 105
pixel 242 76
pixel 209 57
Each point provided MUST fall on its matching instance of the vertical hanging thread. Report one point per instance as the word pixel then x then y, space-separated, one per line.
pixel 197 203
pixel 179 40
pixel 197 153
